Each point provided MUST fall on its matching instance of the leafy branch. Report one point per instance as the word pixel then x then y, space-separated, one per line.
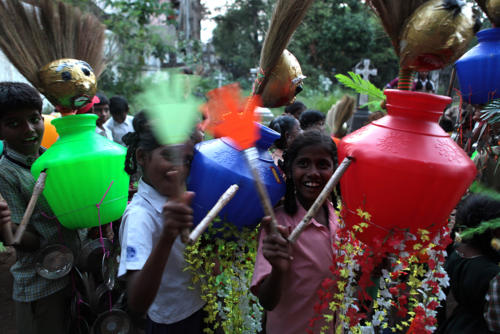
pixel 491 112
pixel 361 86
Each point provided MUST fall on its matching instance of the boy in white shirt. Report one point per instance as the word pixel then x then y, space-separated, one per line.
pixel 101 109
pixel 120 122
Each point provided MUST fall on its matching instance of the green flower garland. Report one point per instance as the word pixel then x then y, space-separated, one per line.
pixel 483 227
pixel 222 262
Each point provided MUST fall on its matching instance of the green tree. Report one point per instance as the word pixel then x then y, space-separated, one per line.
pixel 239 35
pixel 138 31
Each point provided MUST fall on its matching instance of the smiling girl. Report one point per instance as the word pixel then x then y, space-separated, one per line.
pixel 286 277
pixel 152 252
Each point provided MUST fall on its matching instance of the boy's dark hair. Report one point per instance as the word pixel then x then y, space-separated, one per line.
pixel 446 124
pixel 295 108
pixel 306 138
pixel 310 117
pixel 143 138
pixel 118 105
pixel 282 125
pixel 471 212
pixel 102 99
pixel 18 95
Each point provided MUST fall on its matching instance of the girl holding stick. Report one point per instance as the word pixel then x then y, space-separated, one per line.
pixel 286 278
pixel 152 252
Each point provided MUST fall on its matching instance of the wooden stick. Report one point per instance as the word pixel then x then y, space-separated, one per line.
pixel 37 190
pixel 334 179
pixel 452 81
pixel 221 203
pixel 251 154
pixel 177 159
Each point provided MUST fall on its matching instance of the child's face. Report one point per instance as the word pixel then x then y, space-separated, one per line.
pixel 311 170
pixel 102 111
pixel 22 130
pixel 161 173
pixel 120 118
pixel 290 135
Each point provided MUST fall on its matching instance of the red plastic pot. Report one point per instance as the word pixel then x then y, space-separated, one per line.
pixel 407 173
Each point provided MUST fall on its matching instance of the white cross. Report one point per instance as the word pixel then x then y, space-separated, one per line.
pixel 220 78
pixel 326 83
pixel 363 68
pixel 253 74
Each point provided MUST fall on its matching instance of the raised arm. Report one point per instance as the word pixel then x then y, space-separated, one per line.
pixel 143 284
pixel 276 250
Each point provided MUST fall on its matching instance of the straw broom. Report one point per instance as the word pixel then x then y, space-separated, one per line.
pixel 340 113
pixel 394 14
pixel 34 34
pixel 286 18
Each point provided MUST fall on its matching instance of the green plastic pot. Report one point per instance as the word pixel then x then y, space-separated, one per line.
pixel 86 181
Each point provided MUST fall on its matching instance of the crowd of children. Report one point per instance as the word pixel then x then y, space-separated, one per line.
pixel 286 277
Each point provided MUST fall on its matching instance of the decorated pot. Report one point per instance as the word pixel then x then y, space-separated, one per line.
pixel 218 164
pixel 86 182
pixel 407 172
pixel 478 70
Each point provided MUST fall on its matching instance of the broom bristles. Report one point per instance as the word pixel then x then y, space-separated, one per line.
pixel 286 17
pixel 340 113
pixel 37 32
pixel 393 14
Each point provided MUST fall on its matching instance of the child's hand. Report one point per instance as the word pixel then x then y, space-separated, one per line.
pixel 178 215
pixel 4 214
pixel 275 247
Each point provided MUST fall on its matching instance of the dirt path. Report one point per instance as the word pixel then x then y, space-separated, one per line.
pixel 7 319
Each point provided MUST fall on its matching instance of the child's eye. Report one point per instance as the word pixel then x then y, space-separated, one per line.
pixel 35 119
pixel 166 154
pixel 12 124
pixel 324 164
pixel 302 163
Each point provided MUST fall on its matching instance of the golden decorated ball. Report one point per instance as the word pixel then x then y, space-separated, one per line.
pixel 283 83
pixel 68 83
pixel 436 35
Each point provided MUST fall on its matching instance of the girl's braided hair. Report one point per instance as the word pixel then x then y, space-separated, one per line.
pixel 282 125
pixel 142 137
pixel 306 138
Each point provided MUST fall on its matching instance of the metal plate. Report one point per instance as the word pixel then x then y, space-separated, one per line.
pixel 54 261
pixel 112 322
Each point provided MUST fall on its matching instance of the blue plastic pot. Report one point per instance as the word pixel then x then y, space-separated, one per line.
pixel 217 164
pixel 478 70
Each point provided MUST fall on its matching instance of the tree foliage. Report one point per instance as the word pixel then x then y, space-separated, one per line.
pixel 138 31
pixel 239 35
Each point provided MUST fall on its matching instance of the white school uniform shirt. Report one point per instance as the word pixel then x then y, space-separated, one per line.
pixel 140 230
pixel 105 132
pixel 118 130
